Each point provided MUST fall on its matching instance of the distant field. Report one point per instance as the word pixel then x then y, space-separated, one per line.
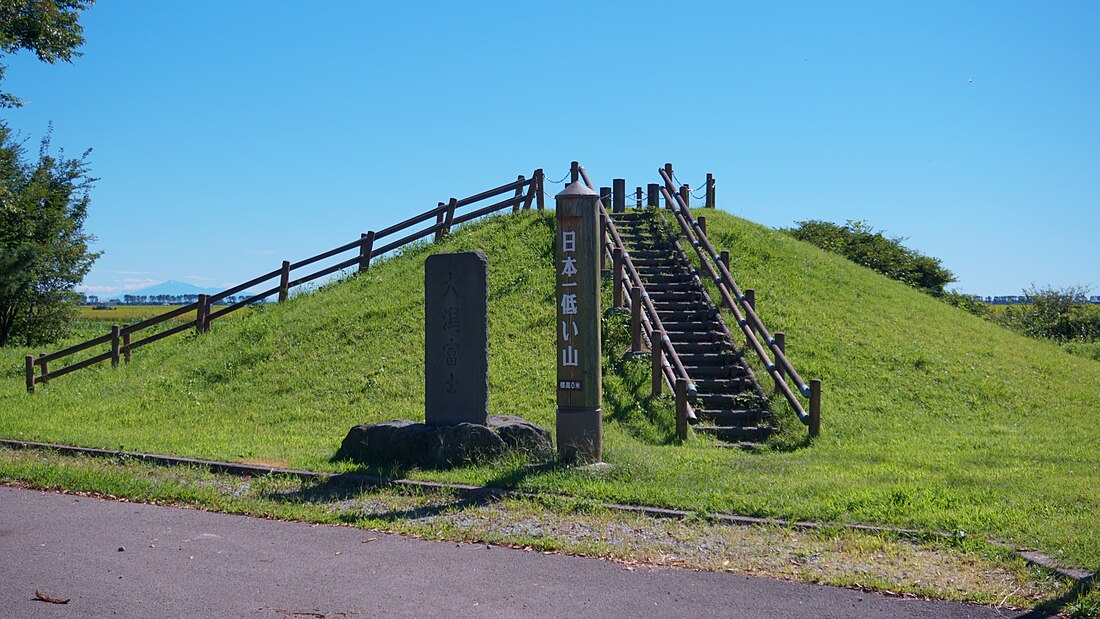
pixel 999 310
pixel 125 313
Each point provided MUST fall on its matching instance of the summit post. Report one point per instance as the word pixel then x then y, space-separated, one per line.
pixel 577 263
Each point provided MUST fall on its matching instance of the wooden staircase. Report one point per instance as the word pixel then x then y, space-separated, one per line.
pixel 730 405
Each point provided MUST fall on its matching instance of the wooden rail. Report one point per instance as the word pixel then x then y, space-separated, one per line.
pixel 645 322
pixel 525 194
pixel 742 306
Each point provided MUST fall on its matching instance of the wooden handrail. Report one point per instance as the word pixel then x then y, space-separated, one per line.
pixel 727 277
pixel 120 340
pixel 676 368
pixel 749 322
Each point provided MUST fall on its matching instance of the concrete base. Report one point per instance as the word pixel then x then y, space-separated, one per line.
pixel 579 435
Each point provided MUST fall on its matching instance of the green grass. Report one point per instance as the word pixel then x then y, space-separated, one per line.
pixel 932 418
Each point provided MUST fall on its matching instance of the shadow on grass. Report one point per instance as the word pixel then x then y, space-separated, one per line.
pixel 1055 607
pixel 456 498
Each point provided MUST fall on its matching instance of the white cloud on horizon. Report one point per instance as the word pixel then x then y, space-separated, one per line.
pixel 120 286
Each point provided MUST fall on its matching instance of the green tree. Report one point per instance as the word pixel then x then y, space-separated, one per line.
pixel 44 251
pixel 43 203
pixel 1055 314
pixel 860 243
pixel 49 28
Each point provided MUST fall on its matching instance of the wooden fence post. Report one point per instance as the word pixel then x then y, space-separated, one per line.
pixel 540 196
pixel 284 282
pixel 618 195
pixel 750 301
pixel 28 363
pixel 781 344
pixel 653 194
pixel 519 193
pixel 724 258
pixel 636 319
pixel 815 408
pixel 116 342
pixel 45 365
pixel 657 348
pixel 574 172
pixel 605 197
pixel 440 215
pixel 638 198
pixel 126 347
pixel 617 278
pixel 668 171
pixel 366 246
pixel 451 206
pixel 710 191
pixel 685 194
pixel 200 311
pixel 681 409
pixel 702 224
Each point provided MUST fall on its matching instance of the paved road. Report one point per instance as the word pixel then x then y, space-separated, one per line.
pixel 188 563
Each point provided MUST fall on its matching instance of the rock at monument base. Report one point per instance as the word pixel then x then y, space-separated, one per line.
pixel 463 443
pixel 521 435
pixel 371 441
pixel 416 444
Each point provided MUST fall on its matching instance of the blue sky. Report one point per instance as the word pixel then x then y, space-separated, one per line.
pixel 231 135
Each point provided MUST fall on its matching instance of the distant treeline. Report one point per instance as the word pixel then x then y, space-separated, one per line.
pixel 1022 299
pixel 154 299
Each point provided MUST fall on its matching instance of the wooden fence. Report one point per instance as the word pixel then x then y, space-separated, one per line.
pixel 123 340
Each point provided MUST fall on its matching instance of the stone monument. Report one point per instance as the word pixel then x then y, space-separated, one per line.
pixel 456 339
pixel 458 429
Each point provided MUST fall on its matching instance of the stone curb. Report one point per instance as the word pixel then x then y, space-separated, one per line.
pixel 1080 576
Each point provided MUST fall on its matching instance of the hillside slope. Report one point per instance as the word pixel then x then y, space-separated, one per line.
pixel 932 418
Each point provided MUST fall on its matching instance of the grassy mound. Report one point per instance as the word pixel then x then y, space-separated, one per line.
pixel 932 418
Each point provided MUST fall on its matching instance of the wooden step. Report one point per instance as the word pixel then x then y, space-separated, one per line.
pixel 729 417
pixel 682 337
pixel 703 347
pixel 734 433
pixel 727 399
pixel 709 385
pixel 705 358
pixel 654 287
pixel 654 263
pixel 671 294
pixel 695 370
pixel 688 314
pixel 688 326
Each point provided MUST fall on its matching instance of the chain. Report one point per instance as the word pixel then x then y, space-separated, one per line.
pixel 557 182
